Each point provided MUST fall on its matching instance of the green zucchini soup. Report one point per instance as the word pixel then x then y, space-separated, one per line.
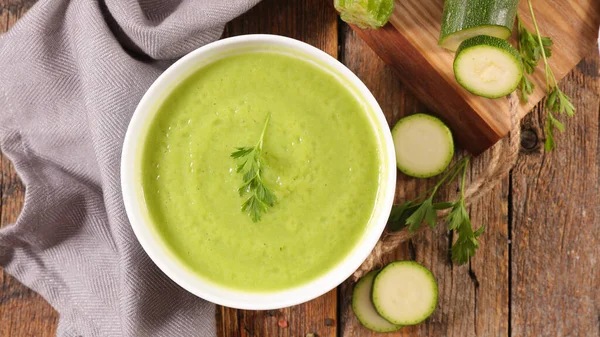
pixel 321 160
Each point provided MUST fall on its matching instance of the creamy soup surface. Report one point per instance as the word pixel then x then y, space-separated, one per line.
pixel 321 161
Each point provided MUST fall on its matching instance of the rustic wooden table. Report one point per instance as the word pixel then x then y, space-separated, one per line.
pixel 536 273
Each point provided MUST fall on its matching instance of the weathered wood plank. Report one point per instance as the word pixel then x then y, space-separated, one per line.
pixel 12 192
pixel 556 220
pixel 22 311
pixel 11 11
pixel 311 21
pixel 473 299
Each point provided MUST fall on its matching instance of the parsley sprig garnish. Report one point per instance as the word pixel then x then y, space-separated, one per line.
pixel 458 220
pixel 424 209
pixel 530 50
pixel 251 166
pixel 534 47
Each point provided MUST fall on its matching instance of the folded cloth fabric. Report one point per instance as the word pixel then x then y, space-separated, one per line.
pixel 71 75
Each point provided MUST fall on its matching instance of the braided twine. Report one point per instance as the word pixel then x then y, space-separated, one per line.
pixel 499 160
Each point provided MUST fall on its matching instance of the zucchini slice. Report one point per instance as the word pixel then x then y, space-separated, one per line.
pixel 405 293
pixel 367 14
pixel 488 66
pixel 423 144
pixel 363 306
pixel 463 19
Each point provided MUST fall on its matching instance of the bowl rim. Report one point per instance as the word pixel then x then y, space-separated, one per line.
pixel 222 295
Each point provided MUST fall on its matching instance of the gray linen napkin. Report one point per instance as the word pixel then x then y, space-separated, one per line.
pixel 71 74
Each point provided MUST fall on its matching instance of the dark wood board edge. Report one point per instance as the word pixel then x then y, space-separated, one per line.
pixel 470 130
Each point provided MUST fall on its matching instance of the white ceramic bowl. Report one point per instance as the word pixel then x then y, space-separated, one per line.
pixel 136 207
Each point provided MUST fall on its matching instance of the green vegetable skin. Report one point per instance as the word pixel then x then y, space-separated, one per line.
pixel 488 66
pixel 325 182
pixel 365 13
pixel 463 19
pixel 363 306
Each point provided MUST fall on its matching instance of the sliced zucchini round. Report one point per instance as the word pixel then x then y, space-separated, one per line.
pixel 405 293
pixel 488 66
pixel 363 306
pixel 424 145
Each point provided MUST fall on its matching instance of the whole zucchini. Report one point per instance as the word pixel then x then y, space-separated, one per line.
pixel 463 19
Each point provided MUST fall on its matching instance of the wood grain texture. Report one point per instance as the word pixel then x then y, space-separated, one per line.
pixel 311 21
pixel 556 221
pixel 409 43
pixel 544 283
pixel 573 26
pixel 23 313
pixel 11 11
pixel 473 298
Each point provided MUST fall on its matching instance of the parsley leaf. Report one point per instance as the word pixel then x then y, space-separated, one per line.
pixel 423 209
pixel 532 48
pixel 251 166
pixel 458 220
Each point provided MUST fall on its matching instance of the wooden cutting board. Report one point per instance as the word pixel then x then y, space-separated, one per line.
pixel 409 43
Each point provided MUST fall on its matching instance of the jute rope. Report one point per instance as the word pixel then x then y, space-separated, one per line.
pixel 498 161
